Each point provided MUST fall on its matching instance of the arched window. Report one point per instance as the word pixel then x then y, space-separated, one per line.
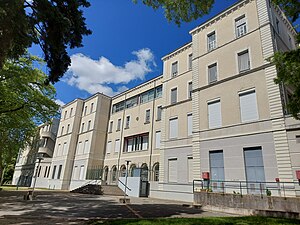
pixel 133 171
pixel 113 173
pixel 144 172
pixel 156 172
pixel 123 171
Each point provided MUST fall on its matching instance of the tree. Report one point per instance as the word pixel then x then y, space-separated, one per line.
pixel 287 63
pixel 55 25
pixel 25 101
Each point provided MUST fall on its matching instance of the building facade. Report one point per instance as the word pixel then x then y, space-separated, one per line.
pixel 214 114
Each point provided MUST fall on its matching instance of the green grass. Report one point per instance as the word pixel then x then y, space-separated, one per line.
pixel 249 220
pixel 12 188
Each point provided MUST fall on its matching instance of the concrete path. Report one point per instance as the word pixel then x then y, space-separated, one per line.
pixel 51 207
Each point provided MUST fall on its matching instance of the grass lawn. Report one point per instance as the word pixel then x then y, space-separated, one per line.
pixel 12 188
pixel 249 220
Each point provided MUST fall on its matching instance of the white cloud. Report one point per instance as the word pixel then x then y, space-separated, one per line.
pixel 59 102
pixel 99 75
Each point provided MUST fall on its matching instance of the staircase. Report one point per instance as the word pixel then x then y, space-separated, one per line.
pixel 111 190
pixel 94 189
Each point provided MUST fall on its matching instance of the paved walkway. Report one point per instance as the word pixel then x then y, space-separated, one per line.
pixel 51 207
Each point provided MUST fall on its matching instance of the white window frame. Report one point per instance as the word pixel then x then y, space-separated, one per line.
pixel 211 45
pixel 189 125
pixel 157 140
pixel 208 114
pixel 147 116
pixel 171 102
pixel 174 134
pixel 190 61
pixel 208 74
pixel 245 92
pixel 174 73
pixel 189 93
pixel 237 34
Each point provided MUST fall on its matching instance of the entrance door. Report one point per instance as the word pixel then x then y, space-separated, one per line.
pixel 144 189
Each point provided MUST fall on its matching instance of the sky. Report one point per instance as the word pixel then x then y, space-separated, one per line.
pixel 125 48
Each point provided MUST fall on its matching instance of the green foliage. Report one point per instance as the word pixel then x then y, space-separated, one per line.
pixel 24 101
pixel 53 24
pixel 181 10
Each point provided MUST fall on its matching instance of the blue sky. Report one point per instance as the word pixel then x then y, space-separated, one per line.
pixel 125 49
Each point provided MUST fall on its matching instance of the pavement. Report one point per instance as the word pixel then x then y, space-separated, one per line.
pixel 51 207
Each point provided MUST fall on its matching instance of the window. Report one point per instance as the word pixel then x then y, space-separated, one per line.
pixel 118 107
pixel 214 114
pixel 190 169
pixel 190 61
pixel 173 128
pixel 81 173
pixel 86 147
pixel 65 116
pixel 119 125
pixel 190 89
pixel 240 26
pixel 243 61
pixel 71 112
pixel 297 139
pixel 62 130
pixel 172 166
pixel 117 145
pixel 79 148
pixel 212 73
pixel 159 112
pixel 248 106
pixel 190 124
pixel 131 102
pixel 174 69
pixel 53 172
pixel 108 147
pixel 157 139
pixel 58 150
pixel 89 125
pixel 136 143
pixel 156 172
pixel 82 127
pixel 173 95
pixel 216 162
pixel 111 124
pixel 147 96
pixel 75 173
pixel 39 171
pixel 158 91
pixel 254 167
pixel 48 172
pixel 46 169
pixel 65 150
pixel 59 171
pixel 277 26
pixel 92 107
pixel 211 41
pixel 147 117
pixel 127 122
pixel 85 110
pixel 68 128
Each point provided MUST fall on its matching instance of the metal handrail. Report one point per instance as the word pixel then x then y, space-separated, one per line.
pixel 124 185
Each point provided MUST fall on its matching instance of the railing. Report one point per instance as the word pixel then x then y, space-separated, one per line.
pixel 125 186
pixel 283 189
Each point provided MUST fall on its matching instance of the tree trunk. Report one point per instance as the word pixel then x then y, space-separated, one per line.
pixel 2 171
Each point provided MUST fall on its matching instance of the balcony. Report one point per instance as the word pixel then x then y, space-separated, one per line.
pixel 46 150
pixel 47 134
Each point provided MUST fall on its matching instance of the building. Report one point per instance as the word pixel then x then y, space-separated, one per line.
pixel 215 113
pixel 42 145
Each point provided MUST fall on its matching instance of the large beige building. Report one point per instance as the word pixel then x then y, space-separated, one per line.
pixel 215 113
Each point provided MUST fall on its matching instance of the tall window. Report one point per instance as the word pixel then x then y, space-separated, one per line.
pixel 240 26
pixel 157 139
pixel 71 112
pixel 86 147
pixel 172 169
pixel 92 107
pixel 65 116
pixel 147 117
pixel 216 162
pixel 82 127
pixel 62 130
pixel 173 128
pixel 117 145
pixel 59 171
pixel 89 125
pixel 108 147
pixel 243 61
pixel 190 169
pixel 111 124
pixel 248 106
pixel 65 150
pixel 173 95
pixel 81 173
pixel 79 148
pixel 119 125
pixel 211 41
pixel 214 114
pixel 158 91
pixel 159 112
pixel 127 121
pixel 254 167
pixel 190 124
pixel 53 172
pixel 85 110
pixel 174 69
pixel 212 73
pixel 190 61
pixel 68 128
pixel 75 173
pixel 190 89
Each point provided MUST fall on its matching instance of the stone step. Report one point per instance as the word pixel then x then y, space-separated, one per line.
pixel 112 190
